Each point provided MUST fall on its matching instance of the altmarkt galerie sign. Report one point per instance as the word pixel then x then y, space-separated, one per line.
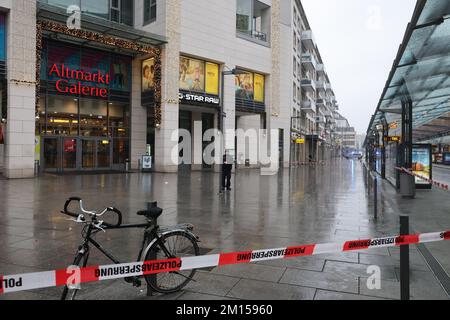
pixel 80 88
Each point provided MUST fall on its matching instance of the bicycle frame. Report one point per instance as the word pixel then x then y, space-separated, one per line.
pixel 149 234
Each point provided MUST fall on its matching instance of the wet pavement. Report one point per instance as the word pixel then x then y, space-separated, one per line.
pixel 441 173
pixel 315 205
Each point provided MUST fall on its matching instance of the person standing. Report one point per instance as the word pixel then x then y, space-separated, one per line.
pixel 227 167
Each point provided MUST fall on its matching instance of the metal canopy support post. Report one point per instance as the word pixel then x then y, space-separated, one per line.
pixel 407 182
pixel 372 153
pixel 383 149
pixel 407 130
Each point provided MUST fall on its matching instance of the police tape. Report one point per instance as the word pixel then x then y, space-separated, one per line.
pixel 74 275
pixel 435 183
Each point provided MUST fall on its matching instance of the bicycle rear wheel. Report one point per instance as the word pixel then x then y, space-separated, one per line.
pixel 179 244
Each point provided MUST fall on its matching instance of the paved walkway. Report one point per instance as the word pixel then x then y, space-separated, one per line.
pixel 441 173
pixel 317 204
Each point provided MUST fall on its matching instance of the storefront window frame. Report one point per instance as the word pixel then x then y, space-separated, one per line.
pixel 45 94
pixel 204 62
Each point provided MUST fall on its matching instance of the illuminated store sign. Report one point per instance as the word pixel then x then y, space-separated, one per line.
pixel 191 97
pixel 65 85
pixel 393 139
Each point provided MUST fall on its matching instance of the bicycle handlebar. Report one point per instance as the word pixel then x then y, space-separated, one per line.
pixel 91 213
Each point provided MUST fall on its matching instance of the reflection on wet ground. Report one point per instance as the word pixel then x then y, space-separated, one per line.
pixel 314 205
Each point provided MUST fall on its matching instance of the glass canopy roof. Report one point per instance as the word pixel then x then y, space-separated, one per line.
pixel 57 14
pixel 422 71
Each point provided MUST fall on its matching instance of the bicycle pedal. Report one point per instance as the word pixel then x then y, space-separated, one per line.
pixel 137 283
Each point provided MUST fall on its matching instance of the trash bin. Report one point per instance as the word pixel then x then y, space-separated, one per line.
pixel 407 185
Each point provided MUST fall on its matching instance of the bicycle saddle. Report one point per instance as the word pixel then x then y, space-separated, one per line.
pixel 152 213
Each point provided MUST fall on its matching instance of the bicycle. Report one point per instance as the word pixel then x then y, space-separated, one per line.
pixel 158 244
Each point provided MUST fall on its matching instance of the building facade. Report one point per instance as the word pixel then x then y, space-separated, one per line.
pixel 122 84
pixel 346 134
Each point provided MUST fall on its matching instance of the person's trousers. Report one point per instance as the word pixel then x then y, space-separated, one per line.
pixel 226 180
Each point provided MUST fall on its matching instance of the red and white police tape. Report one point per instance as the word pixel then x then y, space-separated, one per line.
pixel 75 275
pixel 435 183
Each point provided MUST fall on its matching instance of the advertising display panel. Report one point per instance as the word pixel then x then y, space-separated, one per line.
pixel 421 164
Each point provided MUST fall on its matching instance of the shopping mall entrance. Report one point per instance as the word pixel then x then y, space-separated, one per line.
pixel 80 130
pixel 65 154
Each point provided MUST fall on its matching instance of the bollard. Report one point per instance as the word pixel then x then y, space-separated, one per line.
pixel 375 197
pixel 37 168
pixel 404 260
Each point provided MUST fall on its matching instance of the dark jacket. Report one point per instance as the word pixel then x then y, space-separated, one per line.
pixel 227 167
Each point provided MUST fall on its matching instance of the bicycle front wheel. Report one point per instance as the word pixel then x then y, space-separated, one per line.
pixel 179 244
pixel 79 261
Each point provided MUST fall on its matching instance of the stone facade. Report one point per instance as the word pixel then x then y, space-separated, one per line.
pixel 21 64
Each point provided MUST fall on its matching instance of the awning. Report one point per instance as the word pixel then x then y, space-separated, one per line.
pixel 106 27
pixel 422 71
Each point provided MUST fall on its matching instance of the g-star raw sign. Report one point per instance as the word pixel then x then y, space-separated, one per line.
pixel 192 98
pixel 65 74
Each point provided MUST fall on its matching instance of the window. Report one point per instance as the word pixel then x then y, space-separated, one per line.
pixel 295 67
pixel 295 16
pixel 2 37
pixel 250 87
pixel 115 10
pixel 253 19
pixel 294 41
pixel 149 11
pixel 120 11
pixel 294 92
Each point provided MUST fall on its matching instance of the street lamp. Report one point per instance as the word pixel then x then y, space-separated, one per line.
pixel 223 115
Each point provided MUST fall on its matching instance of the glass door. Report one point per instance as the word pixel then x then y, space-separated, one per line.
pixel 104 154
pixel 69 154
pixel 96 153
pixel 88 154
pixel 50 154
pixel 59 154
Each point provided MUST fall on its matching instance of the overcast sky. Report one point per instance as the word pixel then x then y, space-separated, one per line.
pixel 358 41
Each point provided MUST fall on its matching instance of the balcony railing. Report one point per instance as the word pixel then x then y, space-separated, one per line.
pixel 258 35
pixel 309 61
pixel 320 85
pixel 308 85
pixel 308 39
pixel 327 113
pixel 321 69
pixel 320 103
pixel 308 106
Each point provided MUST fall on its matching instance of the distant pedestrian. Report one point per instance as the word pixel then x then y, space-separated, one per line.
pixel 227 167
pixel 310 159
